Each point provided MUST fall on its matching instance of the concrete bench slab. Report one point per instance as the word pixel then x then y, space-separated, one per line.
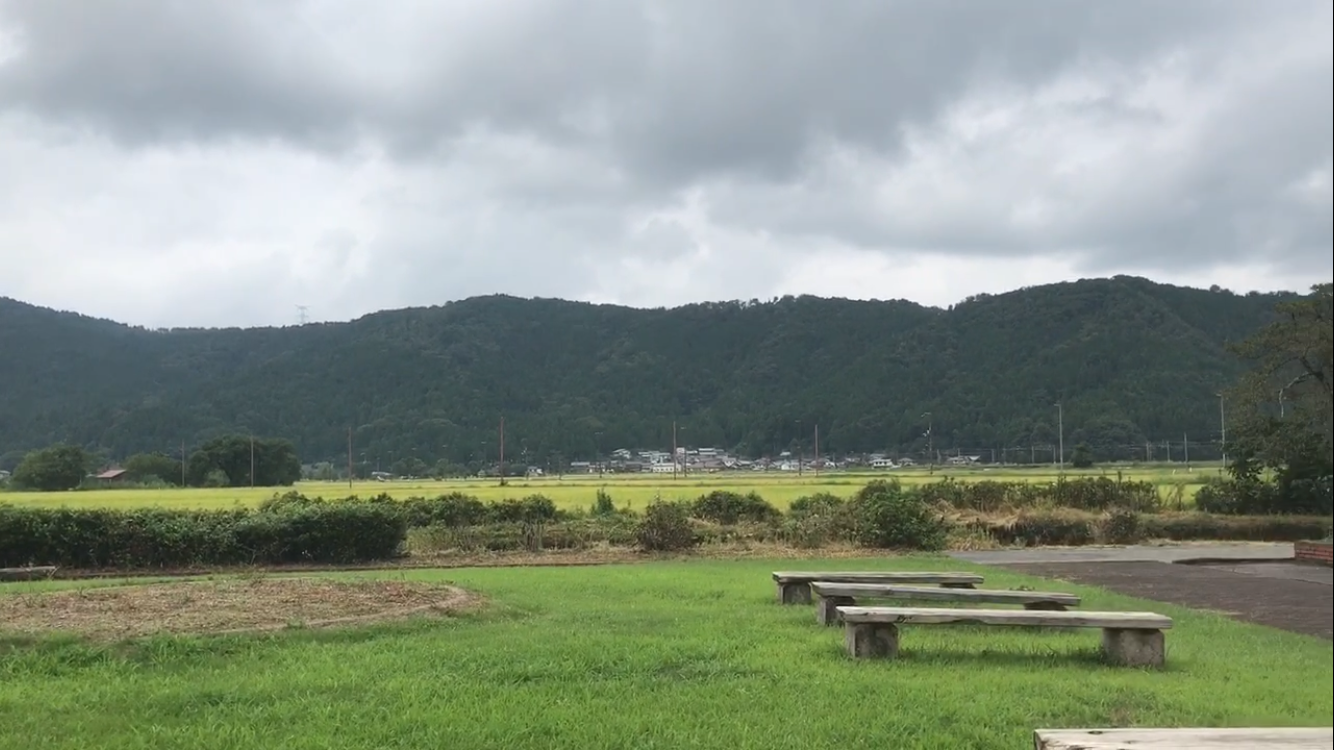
pixel 831 596
pixel 27 574
pixel 1281 738
pixel 1132 639
pixel 795 587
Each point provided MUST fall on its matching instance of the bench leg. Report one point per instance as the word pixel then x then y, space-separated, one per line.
pixel 1133 648
pixel 794 593
pixel 957 586
pixel 826 608
pixel 871 640
pixel 1045 606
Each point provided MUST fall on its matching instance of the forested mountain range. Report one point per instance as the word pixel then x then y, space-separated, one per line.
pixel 1130 360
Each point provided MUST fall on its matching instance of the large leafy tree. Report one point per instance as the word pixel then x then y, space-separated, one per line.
pixel 1283 406
pixel 148 466
pixel 58 467
pixel 271 462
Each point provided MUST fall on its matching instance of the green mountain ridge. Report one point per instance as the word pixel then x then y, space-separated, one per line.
pixel 1129 360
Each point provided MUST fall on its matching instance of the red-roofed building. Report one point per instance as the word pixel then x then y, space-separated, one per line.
pixel 111 475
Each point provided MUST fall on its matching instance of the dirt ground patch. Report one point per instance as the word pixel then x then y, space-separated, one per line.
pixel 224 606
pixel 1300 606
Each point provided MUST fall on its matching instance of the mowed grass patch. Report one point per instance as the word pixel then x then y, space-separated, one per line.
pixel 579 491
pixel 655 655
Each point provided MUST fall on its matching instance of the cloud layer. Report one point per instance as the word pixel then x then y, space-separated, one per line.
pixel 187 162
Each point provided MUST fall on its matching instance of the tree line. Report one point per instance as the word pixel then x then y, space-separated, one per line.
pixel 228 461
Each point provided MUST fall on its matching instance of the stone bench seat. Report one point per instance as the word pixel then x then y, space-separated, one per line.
pixel 27 574
pixel 1186 738
pixel 831 596
pixel 1128 638
pixel 795 587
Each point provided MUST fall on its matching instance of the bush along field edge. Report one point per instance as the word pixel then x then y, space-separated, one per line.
pixel 292 528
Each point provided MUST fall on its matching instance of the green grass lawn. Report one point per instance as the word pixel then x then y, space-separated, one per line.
pixel 578 491
pixel 658 655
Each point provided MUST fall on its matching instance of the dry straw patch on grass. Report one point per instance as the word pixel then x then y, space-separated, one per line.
pixel 225 606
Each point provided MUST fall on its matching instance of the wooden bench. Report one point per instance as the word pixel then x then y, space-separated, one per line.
pixel 27 574
pixel 795 588
pixel 1185 739
pixel 831 596
pixel 1133 639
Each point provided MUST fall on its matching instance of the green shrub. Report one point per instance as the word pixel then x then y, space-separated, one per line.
pixel 452 509
pixel 721 506
pixel 534 509
pixel 816 520
pixel 810 531
pixel 1235 497
pixel 1120 526
pixel 665 527
pixel 888 516
pixel 1230 496
pixel 602 505
pixel 818 504
pixel 1104 493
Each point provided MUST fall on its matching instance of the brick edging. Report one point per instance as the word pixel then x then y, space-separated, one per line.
pixel 1317 552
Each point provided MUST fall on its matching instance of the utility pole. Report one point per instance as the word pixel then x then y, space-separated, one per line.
pixel 502 450
pixel 1185 449
pixel 800 453
pixel 349 458
pixel 1222 424
pixel 182 463
pixel 1060 426
pixel 816 465
pixel 930 444
pixel 674 449
pixel 252 460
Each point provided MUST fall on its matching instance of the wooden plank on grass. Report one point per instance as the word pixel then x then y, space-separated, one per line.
pixel 1013 617
pixel 27 574
pixel 877 577
pixel 1185 739
pixel 927 593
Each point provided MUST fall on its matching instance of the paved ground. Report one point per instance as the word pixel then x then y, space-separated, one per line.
pixel 1286 570
pixel 1277 598
pixel 1251 582
pixel 1241 551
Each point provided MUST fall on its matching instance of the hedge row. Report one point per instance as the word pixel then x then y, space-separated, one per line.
pixel 344 532
pixel 1030 529
pixel 1083 493
pixel 1064 528
pixel 292 528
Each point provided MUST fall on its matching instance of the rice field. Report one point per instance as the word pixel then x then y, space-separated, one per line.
pixel 626 490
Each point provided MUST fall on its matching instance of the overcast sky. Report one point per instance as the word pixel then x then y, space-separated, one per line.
pixel 200 162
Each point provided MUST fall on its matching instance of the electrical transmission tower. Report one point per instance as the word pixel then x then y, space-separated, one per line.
pixel 301 314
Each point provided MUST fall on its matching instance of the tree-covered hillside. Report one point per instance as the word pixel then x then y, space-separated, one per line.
pixel 1129 360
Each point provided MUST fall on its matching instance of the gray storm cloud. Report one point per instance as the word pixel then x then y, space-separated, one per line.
pixel 451 149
